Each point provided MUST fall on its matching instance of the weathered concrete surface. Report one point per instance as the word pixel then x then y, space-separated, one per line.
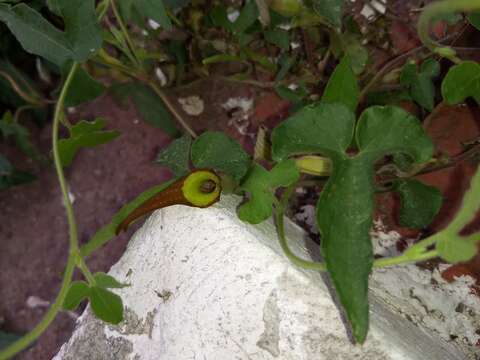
pixel 207 286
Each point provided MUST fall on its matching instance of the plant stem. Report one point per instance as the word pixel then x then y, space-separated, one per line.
pixel 52 312
pixel 171 108
pixel 434 10
pixel 85 270
pixel 403 259
pixel 32 100
pixel 279 214
pixel 124 30
pixel 26 340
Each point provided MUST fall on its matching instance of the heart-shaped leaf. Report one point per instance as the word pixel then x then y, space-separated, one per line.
pixel 215 150
pixel 177 155
pixel 420 203
pixel 106 305
pixel 462 81
pixel 77 292
pixel 420 84
pixel 342 86
pixel 84 134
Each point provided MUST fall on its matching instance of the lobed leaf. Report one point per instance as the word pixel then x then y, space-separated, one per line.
pixel 84 134
pixel 81 38
pixel 330 10
pixel 260 184
pixel 154 9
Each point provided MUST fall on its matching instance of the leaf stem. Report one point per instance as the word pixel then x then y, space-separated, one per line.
pixel 30 99
pixel 52 312
pixel 279 215
pixel 404 259
pixel 172 109
pixel 434 10
pixel 124 30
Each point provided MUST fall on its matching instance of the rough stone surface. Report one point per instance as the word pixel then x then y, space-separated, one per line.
pixel 204 285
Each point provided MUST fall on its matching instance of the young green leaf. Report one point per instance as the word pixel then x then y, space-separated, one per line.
pixel 154 9
pixel 342 86
pixel 248 15
pixel 278 37
pixel 177 155
pixel 76 293
pixel 420 84
pixel 83 88
pixel 106 305
pixel 149 105
pixel 455 249
pixel 462 81
pixel 84 134
pixel 216 150
pixel 330 10
pixel 344 210
pixel 107 282
pixel 260 184
pixel 82 36
pixel 419 203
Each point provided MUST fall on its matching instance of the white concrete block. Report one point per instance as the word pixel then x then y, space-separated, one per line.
pixel 204 285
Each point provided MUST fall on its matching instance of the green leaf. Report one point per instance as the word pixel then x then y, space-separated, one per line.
pixel 345 206
pixel 342 86
pixel 82 36
pixel 216 150
pixel 419 203
pixel 7 339
pixel 330 10
pixel 344 218
pixel 317 128
pixel 84 134
pixel 154 9
pixel 455 249
pixel 149 105
pixel 248 15
pixel 474 19
pixel 278 37
pixel 83 89
pixel 385 130
pixel 420 84
pixel 462 81
pixel 6 167
pixel 15 177
pixel 106 305
pixel 260 184
pixel 286 62
pixel 295 96
pixel 107 282
pixel 76 293
pixel 177 155
pixel 219 17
